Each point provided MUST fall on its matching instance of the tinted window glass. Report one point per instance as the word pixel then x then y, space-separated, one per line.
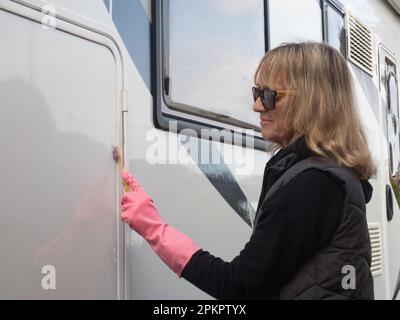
pixel 213 48
pixel 335 34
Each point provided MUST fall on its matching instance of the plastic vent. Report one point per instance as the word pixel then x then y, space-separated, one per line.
pixel 376 244
pixel 360 45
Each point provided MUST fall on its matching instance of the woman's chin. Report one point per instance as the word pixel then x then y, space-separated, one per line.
pixel 267 135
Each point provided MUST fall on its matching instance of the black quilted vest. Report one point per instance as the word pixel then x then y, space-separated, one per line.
pixel 326 274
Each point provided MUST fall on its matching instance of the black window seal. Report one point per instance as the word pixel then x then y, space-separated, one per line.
pixel 337 5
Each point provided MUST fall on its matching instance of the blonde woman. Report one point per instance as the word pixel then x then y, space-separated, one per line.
pixel 310 238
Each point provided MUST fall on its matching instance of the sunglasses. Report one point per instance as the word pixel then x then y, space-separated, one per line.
pixel 269 97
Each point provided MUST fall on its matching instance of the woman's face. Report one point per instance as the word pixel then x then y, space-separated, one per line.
pixel 272 122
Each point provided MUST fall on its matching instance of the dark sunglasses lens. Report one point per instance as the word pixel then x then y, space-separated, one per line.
pixel 268 99
pixel 256 93
pixel 266 95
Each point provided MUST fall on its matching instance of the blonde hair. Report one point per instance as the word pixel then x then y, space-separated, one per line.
pixel 324 109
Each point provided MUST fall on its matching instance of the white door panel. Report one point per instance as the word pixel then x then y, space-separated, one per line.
pixel 58 185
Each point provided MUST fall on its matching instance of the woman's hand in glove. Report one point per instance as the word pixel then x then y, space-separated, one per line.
pixel 139 211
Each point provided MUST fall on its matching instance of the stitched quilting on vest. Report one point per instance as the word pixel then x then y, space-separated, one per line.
pixel 327 275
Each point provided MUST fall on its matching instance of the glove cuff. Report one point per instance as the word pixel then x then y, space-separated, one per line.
pixel 173 247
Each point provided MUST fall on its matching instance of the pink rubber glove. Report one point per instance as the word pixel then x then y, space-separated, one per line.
pixel 139 211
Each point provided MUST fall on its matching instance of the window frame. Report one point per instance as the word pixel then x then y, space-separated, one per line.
pixel 391 73
pixel 192 117
pixel 340 9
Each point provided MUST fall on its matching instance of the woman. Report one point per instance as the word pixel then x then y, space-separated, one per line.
pixel 310 239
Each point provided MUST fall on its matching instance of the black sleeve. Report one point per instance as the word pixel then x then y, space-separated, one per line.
pixel 296 222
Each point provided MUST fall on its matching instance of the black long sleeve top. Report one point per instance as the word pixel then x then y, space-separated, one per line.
pixel 296 222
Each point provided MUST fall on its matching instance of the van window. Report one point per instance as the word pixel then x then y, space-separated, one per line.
pixel 334 31
pixel 211 50
pixel 294 21
pixel 392 117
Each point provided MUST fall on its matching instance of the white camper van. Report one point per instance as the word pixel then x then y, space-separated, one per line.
pixel 168 81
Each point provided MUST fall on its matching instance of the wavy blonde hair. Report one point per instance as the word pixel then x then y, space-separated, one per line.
pixel 324 109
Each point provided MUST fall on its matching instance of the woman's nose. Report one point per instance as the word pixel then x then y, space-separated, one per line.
pixel 258 107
